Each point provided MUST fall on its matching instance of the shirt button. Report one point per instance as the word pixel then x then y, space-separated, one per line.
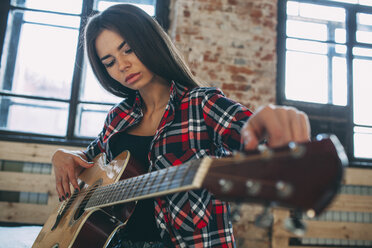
pixel 162 226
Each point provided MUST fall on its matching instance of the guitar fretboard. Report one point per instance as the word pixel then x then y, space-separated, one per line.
pixel 174 179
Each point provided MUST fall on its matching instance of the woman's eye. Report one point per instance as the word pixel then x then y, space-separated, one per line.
pixel 109 64
pixel 129 50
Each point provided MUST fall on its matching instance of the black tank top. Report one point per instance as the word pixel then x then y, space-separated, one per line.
pixel 141 225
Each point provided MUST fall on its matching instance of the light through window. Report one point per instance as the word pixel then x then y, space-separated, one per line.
pixel 327 51
pixel 46 86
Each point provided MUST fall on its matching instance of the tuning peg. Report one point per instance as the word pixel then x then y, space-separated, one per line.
pixel 295 225
pixel 265 219
pixel 226 185
pixel 265 151
pixel 235 211
pixel 284 189
pixel 296 149
pixel 252 187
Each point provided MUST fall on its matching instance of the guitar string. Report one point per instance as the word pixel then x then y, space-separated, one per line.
pixel 133 193
pixel 166 186
pixel 252 156
pixel 99 199
pixel 107 189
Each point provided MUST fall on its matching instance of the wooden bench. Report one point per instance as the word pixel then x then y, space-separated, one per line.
pixel 33 179
pixel 346 222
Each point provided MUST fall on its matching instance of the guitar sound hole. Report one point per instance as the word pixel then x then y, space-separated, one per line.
pixel 81 209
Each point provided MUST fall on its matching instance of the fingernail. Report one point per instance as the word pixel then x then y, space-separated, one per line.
pixel 60 199
pixel 76 189
pixel 67 195
pixel 63 198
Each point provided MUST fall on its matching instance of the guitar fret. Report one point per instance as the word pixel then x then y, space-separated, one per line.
pixel 130 187
pixel 188 168
pixel 172 176
pixel 138 189
pixel 190 174
pixel 160 174
pixel 155 177
pixel 126 189
pixel 178 178
pixel 96 196
pixel 159 181
pixel 105 199
pixel 163 179
pixel 123 191
pixel 147 176
pixel 109 196
pixel 115 192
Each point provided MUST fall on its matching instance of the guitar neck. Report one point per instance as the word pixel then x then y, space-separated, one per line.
pixel 175 179
pixel 279 175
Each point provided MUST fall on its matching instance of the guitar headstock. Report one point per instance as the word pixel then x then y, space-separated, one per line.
pixel 302 176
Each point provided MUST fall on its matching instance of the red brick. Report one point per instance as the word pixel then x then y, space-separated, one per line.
pixel 235 70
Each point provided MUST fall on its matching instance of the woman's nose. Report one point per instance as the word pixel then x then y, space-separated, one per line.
pixel 124 64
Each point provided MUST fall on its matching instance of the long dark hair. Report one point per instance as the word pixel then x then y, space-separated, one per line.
pixel 147 39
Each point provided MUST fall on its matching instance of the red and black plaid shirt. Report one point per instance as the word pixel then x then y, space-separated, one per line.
pixel 196 123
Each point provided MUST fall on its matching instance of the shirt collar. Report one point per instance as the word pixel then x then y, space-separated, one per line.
pixel 176 91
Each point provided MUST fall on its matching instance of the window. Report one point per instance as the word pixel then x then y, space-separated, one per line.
pixel 47 90
pixel 324 68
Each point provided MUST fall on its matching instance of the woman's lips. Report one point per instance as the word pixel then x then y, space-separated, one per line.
pixel 131 78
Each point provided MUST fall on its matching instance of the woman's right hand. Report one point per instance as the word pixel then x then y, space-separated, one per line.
pixel 67 166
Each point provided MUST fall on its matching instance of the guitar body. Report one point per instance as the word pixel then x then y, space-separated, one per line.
pixel 70 225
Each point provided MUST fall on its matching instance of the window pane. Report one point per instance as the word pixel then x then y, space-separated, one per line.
pixel 362 91
pixel 306 77
pixel 362 52
pixel 346 1
pixel 67 6
pixel 306 30
pixel 93 91
pixel 43 60
pixel 321 12
pixel 340 35
pixel 362 142
pixel 364 32
pixel 307 46
pixel 146 5
pixel 51 19
pixel 365 2
pixel 91 119
pixel 339 81
pixel 34 116
pixel 317 22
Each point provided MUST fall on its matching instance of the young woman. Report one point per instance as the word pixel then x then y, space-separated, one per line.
pixel 166 119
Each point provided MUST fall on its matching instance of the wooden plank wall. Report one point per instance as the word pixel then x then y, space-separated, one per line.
pixel 32 213
pixel 342 231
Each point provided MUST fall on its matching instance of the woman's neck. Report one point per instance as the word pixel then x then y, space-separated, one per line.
pixel 155 95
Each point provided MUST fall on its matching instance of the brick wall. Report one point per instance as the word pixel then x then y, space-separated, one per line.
pixel 230 44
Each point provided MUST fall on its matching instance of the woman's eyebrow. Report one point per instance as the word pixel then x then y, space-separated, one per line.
pixel 105 57
pixel 122 44
pixel 119 47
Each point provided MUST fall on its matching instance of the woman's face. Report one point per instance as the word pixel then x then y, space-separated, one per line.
pixel 121 62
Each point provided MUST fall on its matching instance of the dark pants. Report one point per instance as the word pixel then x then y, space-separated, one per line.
pixel 118 242
pixel 138 244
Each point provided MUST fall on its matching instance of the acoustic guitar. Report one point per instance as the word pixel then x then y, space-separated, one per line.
pixel 305 177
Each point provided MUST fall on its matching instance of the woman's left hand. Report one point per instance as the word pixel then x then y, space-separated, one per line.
pixel 279 125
